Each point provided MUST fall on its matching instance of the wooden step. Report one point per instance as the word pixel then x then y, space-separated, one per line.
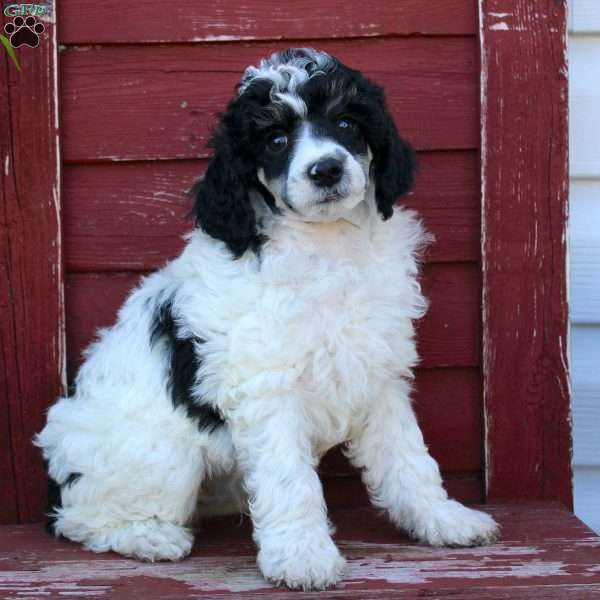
pixel 545 552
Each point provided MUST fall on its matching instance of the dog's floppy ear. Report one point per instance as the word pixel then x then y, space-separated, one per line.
pixel 393 166
pixel 222 198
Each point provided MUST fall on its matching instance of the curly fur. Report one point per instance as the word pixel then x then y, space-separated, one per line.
pixel 284 328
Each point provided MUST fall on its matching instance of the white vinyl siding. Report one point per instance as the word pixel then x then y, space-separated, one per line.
pixel 584 233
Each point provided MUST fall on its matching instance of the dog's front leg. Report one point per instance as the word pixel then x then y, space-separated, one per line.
pixel 287 507
pixel 405 480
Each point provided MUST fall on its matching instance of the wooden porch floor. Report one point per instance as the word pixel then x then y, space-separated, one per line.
pixel 545 553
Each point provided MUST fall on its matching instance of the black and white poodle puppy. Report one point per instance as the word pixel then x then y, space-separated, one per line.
pixel 284 328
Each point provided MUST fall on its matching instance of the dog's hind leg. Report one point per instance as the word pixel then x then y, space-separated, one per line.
pixel 137 489
pixel 146 517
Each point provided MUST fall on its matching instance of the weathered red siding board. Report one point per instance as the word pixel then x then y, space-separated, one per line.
pixel 127 102
pixel 344 489
pixel 133 211
pixel 32 321
pixel 449 335
pixel 182 21
pixel 529 563
pixel 159 101
pixel 524 155
pixel 455 440
pixel 131 216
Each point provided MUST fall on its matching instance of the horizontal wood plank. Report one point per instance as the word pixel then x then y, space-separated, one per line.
pixel 191 21
pixel 450 333
pixel 448 403
pixel 455 440
pixel 347 490
pixel 159 102
pixel 448 336
pixel 131 216
pixel 545 554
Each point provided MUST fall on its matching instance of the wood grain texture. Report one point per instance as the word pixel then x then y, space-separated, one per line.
pixel 192 21
pixel 160 101
pixel 545 553
pixel 346 490
pixel 131 216
pixel 524 197
pixel 448 336
pixel 449 407
pixel 31 283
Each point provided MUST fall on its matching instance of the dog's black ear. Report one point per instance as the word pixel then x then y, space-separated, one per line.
pixel 222 205
pixel 393 166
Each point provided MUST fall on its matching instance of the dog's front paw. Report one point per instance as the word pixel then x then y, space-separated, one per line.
pixel 450 523
pixel 308 563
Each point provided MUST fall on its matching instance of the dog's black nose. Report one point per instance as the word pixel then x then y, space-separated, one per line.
pixel 326 172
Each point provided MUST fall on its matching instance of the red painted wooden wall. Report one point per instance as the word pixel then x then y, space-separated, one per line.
pixel 135 120
pixel 139 88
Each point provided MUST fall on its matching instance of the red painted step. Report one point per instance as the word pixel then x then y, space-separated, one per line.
pixel 545 553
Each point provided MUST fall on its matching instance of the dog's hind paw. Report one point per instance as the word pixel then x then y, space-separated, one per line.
pixel 150 540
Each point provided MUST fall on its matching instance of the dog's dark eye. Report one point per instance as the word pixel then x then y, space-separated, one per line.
pixel 277 142
pixel 347 125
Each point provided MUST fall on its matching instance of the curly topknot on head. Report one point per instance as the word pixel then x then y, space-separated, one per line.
pixel 288 69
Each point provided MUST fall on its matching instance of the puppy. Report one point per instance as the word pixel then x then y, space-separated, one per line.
pixel 284 328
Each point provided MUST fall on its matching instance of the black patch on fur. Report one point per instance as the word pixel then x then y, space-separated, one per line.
pixel 183 366
pixel 72 479
pixel 55 497
pixel 54 501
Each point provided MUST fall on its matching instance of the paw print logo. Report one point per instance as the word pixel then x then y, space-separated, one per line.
pixel 24 32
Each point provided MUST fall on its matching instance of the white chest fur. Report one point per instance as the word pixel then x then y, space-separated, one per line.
pixel 324 318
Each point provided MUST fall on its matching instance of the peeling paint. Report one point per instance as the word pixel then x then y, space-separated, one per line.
pixel 394 565
pixel 545 546
pixel 61 342
pixel 223 38
pixel 510 256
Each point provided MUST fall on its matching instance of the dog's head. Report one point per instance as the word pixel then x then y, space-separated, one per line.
pixel 309 135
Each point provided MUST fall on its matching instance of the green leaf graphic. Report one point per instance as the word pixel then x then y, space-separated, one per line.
pixel 6 43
